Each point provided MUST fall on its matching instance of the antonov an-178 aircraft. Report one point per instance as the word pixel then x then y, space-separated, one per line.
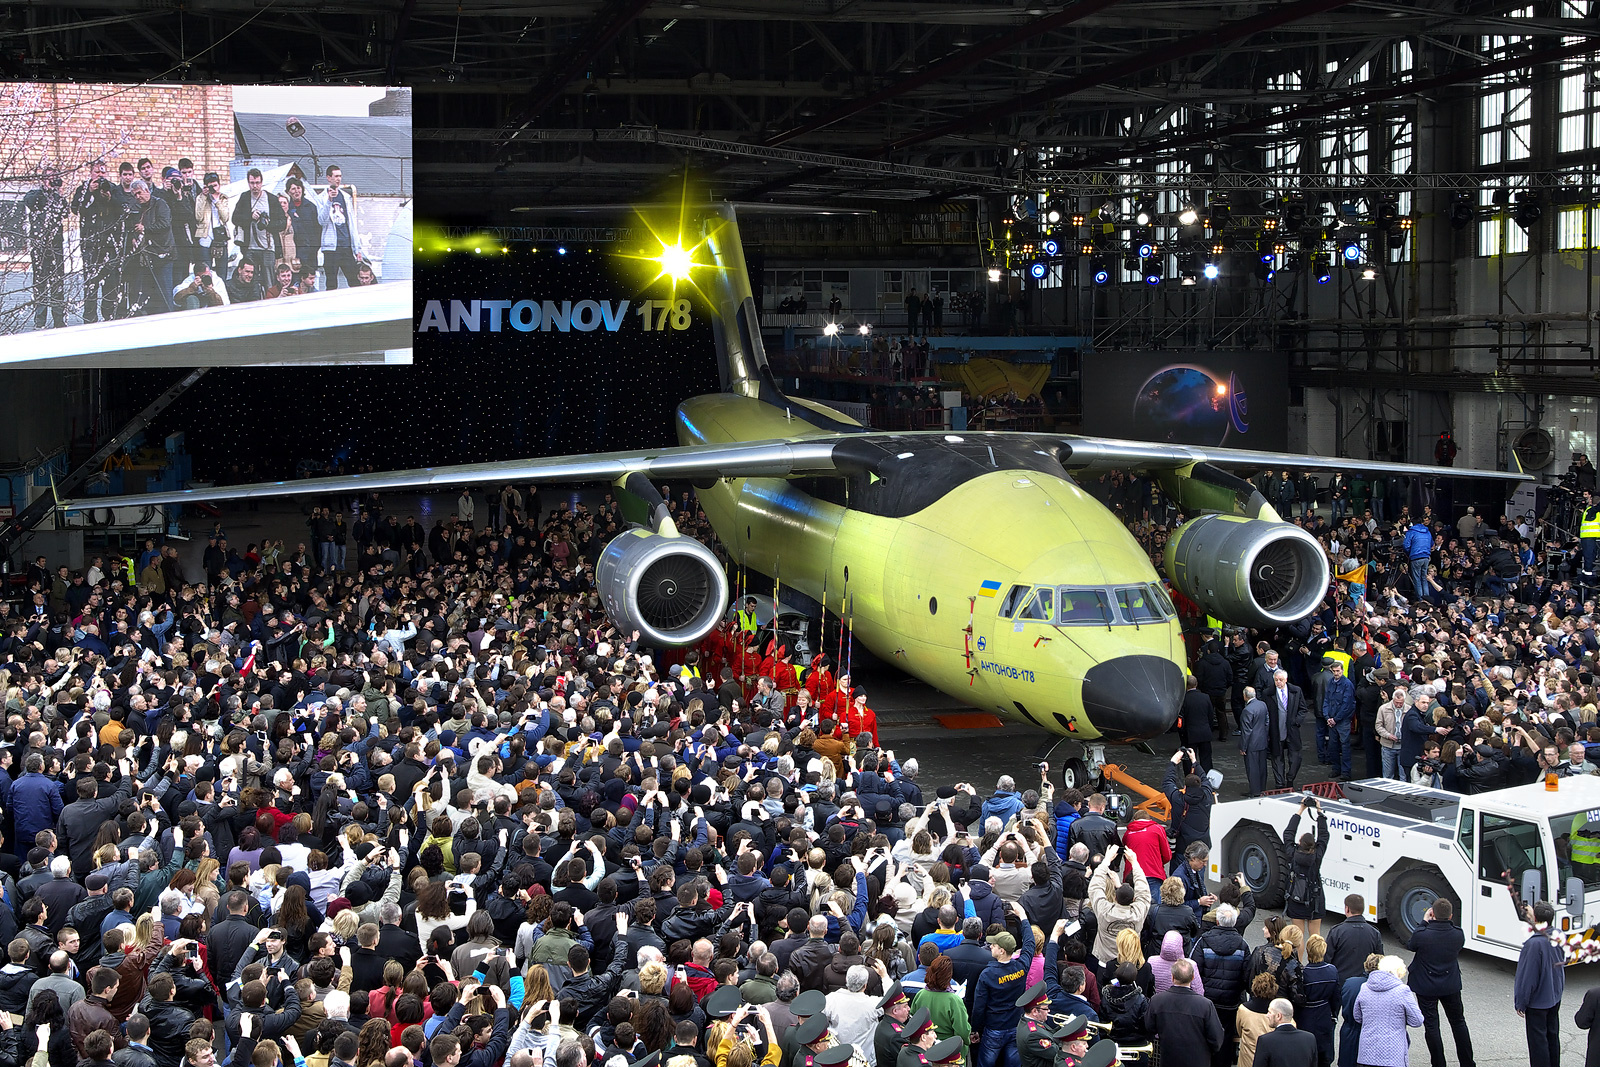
pixel 974 561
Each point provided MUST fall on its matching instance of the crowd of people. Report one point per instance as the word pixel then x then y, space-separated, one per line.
pixel 159 238
pixel 422 804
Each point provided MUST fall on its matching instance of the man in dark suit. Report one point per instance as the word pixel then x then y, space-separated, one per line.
pixel 1285 707
pixel 395 942
pixel 1284 1045
pixel 1195 733
pixel 1254 740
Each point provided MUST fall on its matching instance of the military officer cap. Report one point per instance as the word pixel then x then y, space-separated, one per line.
pixel 947 1051
pixel 1100 1054
pixel 812 1029
pixel 1074 1029
pixel 652 1060
pixel 723 1002
pixel 837 1056
pixel 920 1020
pixel 807 1004
pixel 1035 993
pixel 894 996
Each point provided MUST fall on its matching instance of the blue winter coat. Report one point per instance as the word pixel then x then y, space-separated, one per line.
pixel 35 804
pixel 1005 803
pixel 1066 815
pixel 1418 542
pixel 1339 700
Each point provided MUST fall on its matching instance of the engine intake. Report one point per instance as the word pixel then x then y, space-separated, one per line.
pixel 1250 572
pixel 671 589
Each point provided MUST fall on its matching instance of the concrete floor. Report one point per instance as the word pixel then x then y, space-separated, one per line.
pixel 906 708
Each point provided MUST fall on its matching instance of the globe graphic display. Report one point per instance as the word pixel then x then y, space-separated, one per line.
pixel 1182 405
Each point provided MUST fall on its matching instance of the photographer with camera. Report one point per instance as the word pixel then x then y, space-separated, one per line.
pixel 212 210
pixel 1303 901
pixel 155 245
pixel 46 209
pixel 202 289
pixel 260 222
pixel 96 203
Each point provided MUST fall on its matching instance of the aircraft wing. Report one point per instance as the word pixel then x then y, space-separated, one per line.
pixel 1098 454
pixel 804 456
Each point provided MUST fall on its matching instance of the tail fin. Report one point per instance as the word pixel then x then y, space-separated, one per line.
pixel 741 359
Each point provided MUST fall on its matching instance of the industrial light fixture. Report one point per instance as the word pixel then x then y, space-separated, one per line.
pixel 1211 271
pixel 1368 273
pixel 1188 216
pixel 1529 209
pixel 1350 246
pixel 1108 211
pixel 994 273
pixel 1050 247
pixel 1321 268
pixel 1152 271
pixel 864 329
pixel 1037 271
pixel 1102 270
pixel 830 330
pixel 1463 209
pixel 1146 249
pixel 1145 212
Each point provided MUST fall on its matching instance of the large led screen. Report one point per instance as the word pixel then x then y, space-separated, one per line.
pixel 204 225
pixel 1236 399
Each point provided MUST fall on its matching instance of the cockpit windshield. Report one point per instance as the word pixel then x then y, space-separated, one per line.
pixel 1087 605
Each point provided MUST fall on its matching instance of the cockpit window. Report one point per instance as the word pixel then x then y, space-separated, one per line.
pixel 1041 607
pixel 1163 600
pixel 1008 606
pixel 1086 607
pixel 1138 604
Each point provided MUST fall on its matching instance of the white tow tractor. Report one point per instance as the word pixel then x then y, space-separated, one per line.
pixel 1400 846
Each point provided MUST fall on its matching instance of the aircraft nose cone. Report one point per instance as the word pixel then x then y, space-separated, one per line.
pixel 1133 697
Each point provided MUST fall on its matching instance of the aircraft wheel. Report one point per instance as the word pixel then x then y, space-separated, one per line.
pixel 1075 774
pixel 1254 853
pixel 1410 897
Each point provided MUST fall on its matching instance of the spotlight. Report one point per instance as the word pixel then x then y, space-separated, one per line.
pixel 1528 211
pixel 561 250
pixel 1037 271
pixel 676 262
pixel 1463 209
pixel 1052 213
pixel 1152 271
pixel 994 274
pixel 1501 196
pixel 1387 214
pixel 1368 273
pixel 1108 211
pixel 1146 250
pixel 1211 271
pixel 1188 216
pixel 830 330
pixel 1350 248
pixel 1146 212
pixel 1102 270
pixel 1051 248
pixel 1294 215
pixel 477 250
pixel 864 329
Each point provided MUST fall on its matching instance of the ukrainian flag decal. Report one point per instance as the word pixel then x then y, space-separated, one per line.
pixel 988 589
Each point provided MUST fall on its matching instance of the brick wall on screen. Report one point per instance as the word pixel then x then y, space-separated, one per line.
pixel 121 123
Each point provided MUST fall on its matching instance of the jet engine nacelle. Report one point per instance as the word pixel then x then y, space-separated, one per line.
pixel 669 588
pixel 1250 572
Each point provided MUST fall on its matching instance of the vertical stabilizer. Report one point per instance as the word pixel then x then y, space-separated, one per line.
pixel 741 360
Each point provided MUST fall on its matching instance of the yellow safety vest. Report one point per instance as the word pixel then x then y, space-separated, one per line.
pixel 1591 523
pixel 1586 848
pixel 690 671
pixel 1343 658
pixel 748 622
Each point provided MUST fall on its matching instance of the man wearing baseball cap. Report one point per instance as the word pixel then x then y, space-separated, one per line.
pixel 995 1011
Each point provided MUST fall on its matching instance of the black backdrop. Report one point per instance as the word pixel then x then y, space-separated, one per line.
pixel 469 397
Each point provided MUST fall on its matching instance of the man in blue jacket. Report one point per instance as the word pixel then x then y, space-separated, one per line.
pixel 994 1008
pixel 1418 544
pixel 1338 709
pixel 1536 994
pixel 35 802
pixel 1436 979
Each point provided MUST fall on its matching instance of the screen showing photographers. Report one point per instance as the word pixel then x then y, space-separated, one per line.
pixel 204 225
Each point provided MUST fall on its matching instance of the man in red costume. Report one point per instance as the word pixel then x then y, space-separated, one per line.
pixel 819 683
pixel 784 678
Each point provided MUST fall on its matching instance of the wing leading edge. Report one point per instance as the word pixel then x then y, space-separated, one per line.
pixel 806 456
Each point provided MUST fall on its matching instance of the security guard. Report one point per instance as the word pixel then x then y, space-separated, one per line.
pixel 746 617
pixel 920 1036
pixel 890 1034
pixel 1589 533
pixel 1036 1044
pixel 1072 1042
